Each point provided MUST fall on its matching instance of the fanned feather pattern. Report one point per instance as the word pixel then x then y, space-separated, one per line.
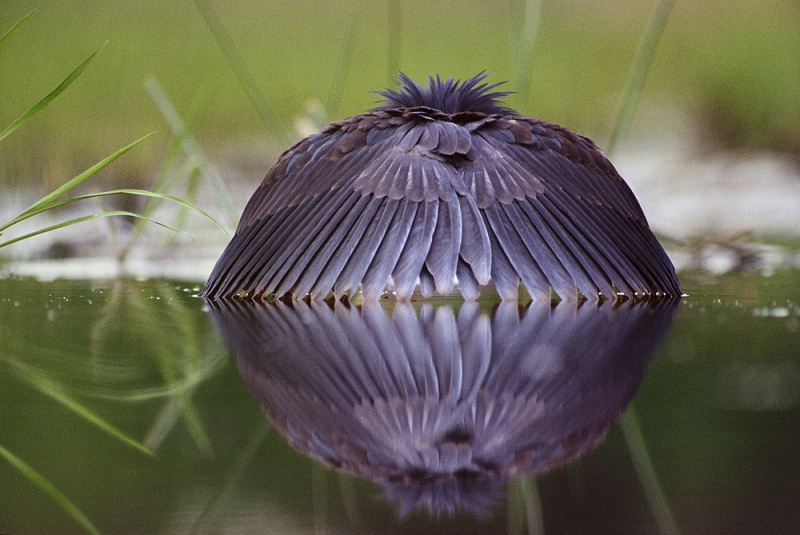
pixel 443 185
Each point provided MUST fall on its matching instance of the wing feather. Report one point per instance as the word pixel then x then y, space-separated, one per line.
pixel 579 181
pixel 367 217
pixel 357 264
pixel 539 251
pixel 631 241
pixel 467 283
pixel 574 246
pixel 392 244
pixel 403 196
pixel 415 251
pixel 523 264
pixel 643 249
pixel 587 244
pixel 314 262
pixel 476 251
pixel 445 246
pixel 580 267
pixel 610 243
pixel 242 264
pixel 427 284
pixel 315 223
pixel 558 209
pixel 306 262
pixel 505 277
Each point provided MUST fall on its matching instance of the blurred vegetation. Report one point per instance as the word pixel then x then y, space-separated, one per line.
pixel 106 364
pixel 57 198
pixel 731 66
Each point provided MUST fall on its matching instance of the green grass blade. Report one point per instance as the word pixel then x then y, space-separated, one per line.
pixel 192 148
pixel 192 187
pixel 348 494
pixel 648 478
pixel 15 26
pixel 532 504
pixel 43 483
pixel 194 423
pixel 342 68
pixel 72 184
pixel 167 175
pixel 53 390
pixel 638 72
pixel 393 51
pixel 176 407
pixel 39 106
pixel 229 490
pixel 527 38
pixel 124 191
pixel 265 110
pixel 83 219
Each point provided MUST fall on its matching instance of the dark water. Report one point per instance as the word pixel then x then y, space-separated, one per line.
pixel 122 408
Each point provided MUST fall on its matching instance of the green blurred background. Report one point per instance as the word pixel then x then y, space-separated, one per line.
pixel 729 69
pixel 726 76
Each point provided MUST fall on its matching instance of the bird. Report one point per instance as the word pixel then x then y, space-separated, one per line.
pixel 442 189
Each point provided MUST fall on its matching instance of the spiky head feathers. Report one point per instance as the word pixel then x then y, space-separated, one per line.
pixel 448 96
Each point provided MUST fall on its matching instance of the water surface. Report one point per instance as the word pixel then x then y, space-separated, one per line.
pixel 125 396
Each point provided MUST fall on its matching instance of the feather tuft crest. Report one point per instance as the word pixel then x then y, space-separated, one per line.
pixel 448 96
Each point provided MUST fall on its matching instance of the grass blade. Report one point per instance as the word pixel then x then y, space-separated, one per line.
pixel 227 494
pixel 43 483
pixel 653 491
pixel 527 38
pixel 47 200
pixel 335 97
pixel 54 391
pixel 237 63
pixel 15 26
pixel 532 504
pixel 39 106
pixel 395 24
pixel 83 219
pixel 638 72
pixel 192 187
pixel 124 191
pixel 191 148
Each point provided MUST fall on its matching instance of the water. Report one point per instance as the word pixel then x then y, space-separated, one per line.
pixel 125 397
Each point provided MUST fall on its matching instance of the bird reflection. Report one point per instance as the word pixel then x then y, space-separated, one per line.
pixel 440 405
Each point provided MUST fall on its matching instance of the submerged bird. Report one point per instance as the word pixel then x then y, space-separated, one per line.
pixel 445 188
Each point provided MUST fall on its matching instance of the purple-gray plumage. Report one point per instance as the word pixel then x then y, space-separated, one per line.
pixel 442 184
